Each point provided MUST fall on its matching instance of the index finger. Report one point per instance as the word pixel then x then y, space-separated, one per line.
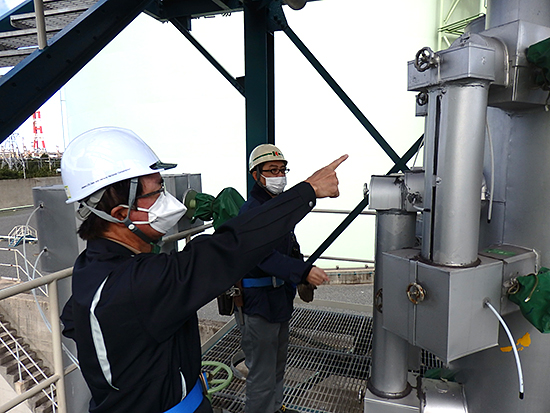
pixel 337 162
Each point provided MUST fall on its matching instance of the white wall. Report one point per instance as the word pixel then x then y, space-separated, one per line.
pixel 152 80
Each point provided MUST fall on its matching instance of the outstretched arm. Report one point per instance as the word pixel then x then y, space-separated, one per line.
pixel 324 181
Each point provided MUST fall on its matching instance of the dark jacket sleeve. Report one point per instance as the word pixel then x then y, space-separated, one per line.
pixel 293 270
pixel 180 283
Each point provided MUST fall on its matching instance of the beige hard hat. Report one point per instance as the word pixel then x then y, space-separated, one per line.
pixel 264 153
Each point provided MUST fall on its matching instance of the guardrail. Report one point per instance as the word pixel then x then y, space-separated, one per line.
pixel 21 269
pixel 58 378
pixel 19 352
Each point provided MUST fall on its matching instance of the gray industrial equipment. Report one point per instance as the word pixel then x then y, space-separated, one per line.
pixel 56 226
pixel 57 223
pixel 483 221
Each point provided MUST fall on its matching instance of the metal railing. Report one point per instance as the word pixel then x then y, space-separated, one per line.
pixel 40 24
pixel 19 352
pixel 34 273
pixel 56 381
pixel 58 378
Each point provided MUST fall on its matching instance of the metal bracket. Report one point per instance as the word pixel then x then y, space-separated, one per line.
pixel 276 19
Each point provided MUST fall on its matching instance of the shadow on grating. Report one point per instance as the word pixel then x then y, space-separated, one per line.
pixel 327 367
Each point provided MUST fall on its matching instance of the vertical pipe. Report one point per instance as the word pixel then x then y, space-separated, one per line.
pixel 394 230
pixel 259 79
pixel 40 24
pixel 455 174
pixel 57 351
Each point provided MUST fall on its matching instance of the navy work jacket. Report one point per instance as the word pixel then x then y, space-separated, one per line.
pixel 133 316
pixel 275 304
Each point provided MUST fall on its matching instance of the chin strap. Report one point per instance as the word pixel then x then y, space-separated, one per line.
pixel 129 224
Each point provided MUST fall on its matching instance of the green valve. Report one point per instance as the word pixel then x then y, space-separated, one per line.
pixel 219 209
pixel 539 55
pixel 496 251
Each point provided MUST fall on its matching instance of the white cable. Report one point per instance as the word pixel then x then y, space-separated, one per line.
pixel 25 239
pixel 417 152
pixel 514 347
pixel 491 190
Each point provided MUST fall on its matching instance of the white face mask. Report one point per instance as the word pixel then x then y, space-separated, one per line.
pixel 164 213
pixel 275 185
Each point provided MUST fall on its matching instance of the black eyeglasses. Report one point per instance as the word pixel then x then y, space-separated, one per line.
pixel 276 171
pixel 158 191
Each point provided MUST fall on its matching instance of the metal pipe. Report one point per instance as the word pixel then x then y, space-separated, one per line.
pixel 340 211
pixel 37 282
pixel 40 24
pixel 324 257
pixel 454 170
pixel 187 233
pixel 57 349
pixel 28 394
pixel 394 230
pixel 16 208
pixel 339 229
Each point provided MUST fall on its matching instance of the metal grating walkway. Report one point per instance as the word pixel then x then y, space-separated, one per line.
pixel 328 363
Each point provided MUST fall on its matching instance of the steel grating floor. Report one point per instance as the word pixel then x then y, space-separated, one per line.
pixel 327 367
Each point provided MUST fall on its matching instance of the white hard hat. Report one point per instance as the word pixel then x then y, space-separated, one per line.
pixel 103 156
pixel 264 153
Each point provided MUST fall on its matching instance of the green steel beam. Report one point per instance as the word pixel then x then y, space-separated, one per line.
pixel 183 25
pixel 401 165
pixel 278 22
pixel 33 81
pixel 259 78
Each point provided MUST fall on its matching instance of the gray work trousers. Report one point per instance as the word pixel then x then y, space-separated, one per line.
pixel 265 348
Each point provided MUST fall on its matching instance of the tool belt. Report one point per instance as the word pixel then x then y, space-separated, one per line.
pixel 229 299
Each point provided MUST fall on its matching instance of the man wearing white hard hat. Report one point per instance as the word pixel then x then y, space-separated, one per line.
pixel 268 292
pixel 132 311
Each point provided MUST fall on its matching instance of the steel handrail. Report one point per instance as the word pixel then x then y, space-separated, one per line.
pixel 40 24
pixel 58 378
pixel 17 356
pixel 19 268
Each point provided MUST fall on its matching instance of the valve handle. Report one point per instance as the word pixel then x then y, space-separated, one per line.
pixel 425 58
pixel 214 381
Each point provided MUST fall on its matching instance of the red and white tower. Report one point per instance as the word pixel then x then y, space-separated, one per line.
pixel 37 130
